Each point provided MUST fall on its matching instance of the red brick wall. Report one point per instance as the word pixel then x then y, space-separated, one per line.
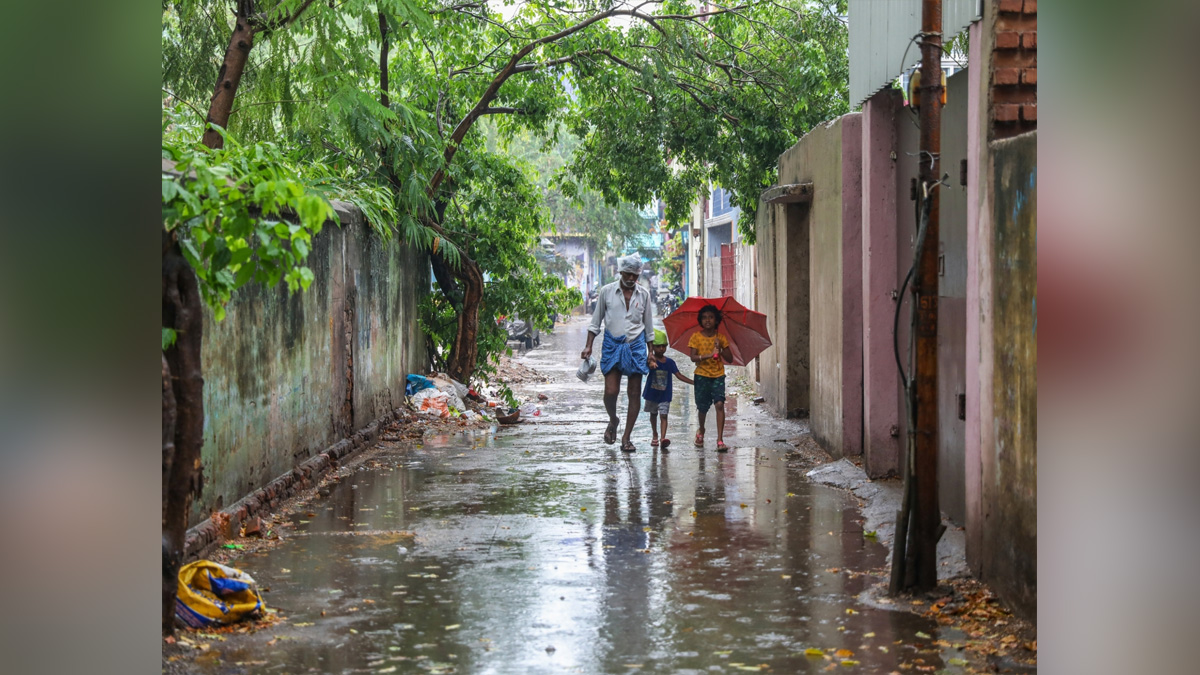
pixel 1014 69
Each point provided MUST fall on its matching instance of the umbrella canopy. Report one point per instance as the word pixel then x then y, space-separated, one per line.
pixel 745 328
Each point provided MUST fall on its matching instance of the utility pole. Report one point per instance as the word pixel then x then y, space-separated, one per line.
pixel 925 529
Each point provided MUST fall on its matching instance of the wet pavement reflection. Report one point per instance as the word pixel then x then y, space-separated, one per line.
pixel 540 549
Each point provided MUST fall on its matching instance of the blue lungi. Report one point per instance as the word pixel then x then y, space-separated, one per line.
pixel 630 357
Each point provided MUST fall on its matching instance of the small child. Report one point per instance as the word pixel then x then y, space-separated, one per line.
pixel 710 350
pixel 658 390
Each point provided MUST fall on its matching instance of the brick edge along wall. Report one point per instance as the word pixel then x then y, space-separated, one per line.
pixel 295 382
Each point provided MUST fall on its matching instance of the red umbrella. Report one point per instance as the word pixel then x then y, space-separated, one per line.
pixel 745 328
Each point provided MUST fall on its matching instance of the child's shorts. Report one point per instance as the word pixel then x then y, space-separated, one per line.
pixel 656 407
pixel 708 390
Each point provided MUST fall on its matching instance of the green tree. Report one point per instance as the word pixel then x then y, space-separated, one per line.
pixel 607 227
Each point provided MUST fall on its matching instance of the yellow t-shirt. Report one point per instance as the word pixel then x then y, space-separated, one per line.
pixel 706 346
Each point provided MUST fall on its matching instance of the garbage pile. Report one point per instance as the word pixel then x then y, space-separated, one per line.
pixel 443 397
pixel 440 397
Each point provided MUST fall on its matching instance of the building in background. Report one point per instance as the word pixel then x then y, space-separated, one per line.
pixel 580 253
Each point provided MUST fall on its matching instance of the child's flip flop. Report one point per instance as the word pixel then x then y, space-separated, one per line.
pixel 664 443
pixel 654 442
pixel 699 440
pixel 721 447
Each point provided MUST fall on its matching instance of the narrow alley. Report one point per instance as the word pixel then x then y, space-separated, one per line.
pixel 538 549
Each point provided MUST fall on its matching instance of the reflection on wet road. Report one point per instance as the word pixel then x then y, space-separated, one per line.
pixel 540 549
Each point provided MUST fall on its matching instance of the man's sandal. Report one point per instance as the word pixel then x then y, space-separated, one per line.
pixel 610 434
pixel 628 446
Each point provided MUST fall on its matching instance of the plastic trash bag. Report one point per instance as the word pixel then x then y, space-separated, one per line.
pixel 213 594
pixel 455 390
pixel 415 383
pixel 459 388
pixel 432 402
pixel 586 368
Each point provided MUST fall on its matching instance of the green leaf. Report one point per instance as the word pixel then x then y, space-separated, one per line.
pixel 220 259
pixel 168 338
pixel 244 275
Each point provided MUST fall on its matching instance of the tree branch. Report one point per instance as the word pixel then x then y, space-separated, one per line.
pixel 503 111
pixel 187 103
pixel 264 23
pixel 460 131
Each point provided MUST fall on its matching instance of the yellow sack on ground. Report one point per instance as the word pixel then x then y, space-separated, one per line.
pixel 211 593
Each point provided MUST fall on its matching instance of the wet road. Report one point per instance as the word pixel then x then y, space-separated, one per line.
pixel 538 549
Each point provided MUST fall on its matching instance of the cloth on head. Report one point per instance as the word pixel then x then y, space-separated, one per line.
pixel 629 356
pixel 630 264
pixel 660 336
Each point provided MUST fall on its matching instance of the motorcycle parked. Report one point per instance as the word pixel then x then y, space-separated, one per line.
pixel 669 301
pixel 522 331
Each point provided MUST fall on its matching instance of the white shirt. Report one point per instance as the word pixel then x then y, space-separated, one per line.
pixel 619 320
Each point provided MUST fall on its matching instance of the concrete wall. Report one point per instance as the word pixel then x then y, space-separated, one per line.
pixel 1009 463
pixel 818 158
pixel 852 287
pixel 881 407
pixel 782 253
pixel 952 319
pixel 286 375
pixel 978 294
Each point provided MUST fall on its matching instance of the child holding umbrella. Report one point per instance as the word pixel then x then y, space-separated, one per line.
pixel 710 351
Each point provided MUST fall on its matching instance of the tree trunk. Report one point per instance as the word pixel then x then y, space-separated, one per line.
pixel 184 408
pixel 466 346
pixel 229 76
pixel 465 350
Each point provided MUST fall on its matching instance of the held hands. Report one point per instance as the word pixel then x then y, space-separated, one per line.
pixel 652 362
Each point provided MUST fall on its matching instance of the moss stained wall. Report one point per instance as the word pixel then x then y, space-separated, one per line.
pixel 1009 560
pixel 287 375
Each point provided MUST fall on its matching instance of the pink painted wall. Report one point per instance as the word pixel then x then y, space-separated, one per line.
pixel 881 413
pixel 852 285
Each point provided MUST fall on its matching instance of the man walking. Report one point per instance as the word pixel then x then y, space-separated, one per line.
pixel 625 309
